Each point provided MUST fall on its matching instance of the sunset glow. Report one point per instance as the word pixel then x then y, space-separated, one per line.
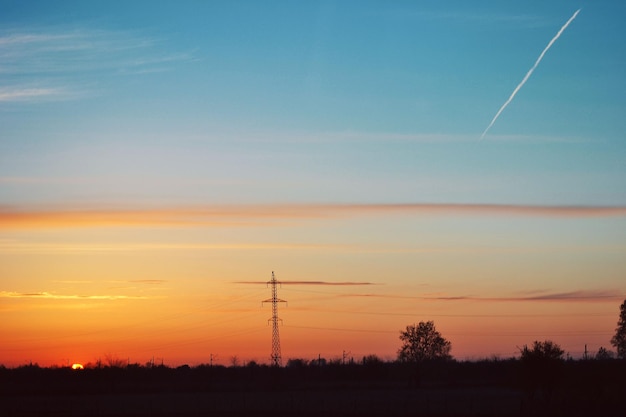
pixel 158 162
pixel 182 293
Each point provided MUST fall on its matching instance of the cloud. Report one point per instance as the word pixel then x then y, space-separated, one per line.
pixel 359 138
pixel 52 296
pixel 330 283
pixel 54 50
pixel 570 296
pixel 23 38
pixel 41 180
pixel 31 94
pixel 73 248
pixel 581 295
pixel 247 215
pixel 56 63
pixel 341 283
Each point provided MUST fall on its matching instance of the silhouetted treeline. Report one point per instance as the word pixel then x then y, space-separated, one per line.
pixel 297 374
pixel 559 388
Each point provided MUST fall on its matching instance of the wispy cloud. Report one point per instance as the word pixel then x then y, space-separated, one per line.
pixel 539 296
pixel 73 248
pixel 360 137
pixel 571 296
pixel 329 283
pixel 65 248
pixel 53 296
pixel 51 50
pixel 55 63
pixel 17 93
pixel 41 180
pixel 246 215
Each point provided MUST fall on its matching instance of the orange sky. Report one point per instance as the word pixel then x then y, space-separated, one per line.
pixel 76 288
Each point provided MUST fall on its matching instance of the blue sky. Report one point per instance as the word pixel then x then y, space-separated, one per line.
pixel 345 101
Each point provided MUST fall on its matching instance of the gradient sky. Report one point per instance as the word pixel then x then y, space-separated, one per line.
pixel 158 160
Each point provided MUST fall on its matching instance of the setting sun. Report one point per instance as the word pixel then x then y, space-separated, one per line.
pixel 77 366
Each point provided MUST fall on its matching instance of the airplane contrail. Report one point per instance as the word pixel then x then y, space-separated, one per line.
pixel 529 73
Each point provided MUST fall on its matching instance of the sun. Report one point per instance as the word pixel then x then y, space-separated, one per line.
pixel 77 366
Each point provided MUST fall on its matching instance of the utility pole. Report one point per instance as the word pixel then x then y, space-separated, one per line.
pixel 276 357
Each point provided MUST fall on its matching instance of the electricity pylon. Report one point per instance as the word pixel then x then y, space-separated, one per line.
pixel 276 358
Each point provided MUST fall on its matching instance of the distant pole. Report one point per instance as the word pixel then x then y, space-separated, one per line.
pixel 276 356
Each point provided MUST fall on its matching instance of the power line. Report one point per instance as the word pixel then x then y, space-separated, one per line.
pixel 481 334
pixel 343 329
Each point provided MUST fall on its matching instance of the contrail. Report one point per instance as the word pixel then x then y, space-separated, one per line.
pixel 528 74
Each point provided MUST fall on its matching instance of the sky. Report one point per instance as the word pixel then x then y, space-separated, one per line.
pixel 158 160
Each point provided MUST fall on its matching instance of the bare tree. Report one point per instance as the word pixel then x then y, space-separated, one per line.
pixel 113 361
pixel 234 361
pixel 422 342
pixel 619 340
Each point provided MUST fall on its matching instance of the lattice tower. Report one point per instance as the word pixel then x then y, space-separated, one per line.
pixel 276 356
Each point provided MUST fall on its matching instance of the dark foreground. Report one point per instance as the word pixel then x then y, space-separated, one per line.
pixel 490 388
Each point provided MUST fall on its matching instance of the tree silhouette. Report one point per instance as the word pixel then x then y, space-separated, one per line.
pixel 422 342
pixel 619 340
pixel 542 351
pixel 603 354
pixel 113 361
pixel 542 366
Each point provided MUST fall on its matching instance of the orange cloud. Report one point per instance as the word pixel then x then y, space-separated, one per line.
pixel 233 215
pixel 342 283
pixel 52 296
pixel 11 246
pixel 578 296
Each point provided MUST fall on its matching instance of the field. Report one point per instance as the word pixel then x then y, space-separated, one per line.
pixel 489 388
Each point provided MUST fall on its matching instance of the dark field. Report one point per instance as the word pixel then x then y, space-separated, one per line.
pixel 489 388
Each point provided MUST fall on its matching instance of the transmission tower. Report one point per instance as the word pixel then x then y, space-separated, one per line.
pixel 276 358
